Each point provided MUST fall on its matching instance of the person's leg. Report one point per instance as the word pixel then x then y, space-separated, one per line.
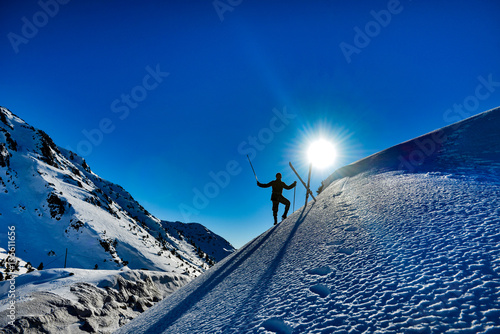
pixel 275 211
pixel 286 202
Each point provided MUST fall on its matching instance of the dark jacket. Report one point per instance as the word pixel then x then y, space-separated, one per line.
pixel 278 186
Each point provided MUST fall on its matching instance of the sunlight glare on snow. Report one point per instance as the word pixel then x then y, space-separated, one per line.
pixel 321 153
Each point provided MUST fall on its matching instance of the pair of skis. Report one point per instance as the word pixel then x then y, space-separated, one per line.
pixel 308 190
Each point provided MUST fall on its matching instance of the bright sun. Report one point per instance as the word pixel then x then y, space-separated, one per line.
pixel 321 153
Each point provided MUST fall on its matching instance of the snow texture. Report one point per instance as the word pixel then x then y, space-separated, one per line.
pixel 83 301
pixel 404 241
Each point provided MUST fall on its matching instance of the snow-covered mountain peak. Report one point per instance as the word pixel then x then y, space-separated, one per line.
pixel 57 204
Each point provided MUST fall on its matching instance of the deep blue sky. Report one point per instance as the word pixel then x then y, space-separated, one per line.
pixel 171 91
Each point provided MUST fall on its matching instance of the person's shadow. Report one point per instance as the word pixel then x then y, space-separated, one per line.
pixel 226 268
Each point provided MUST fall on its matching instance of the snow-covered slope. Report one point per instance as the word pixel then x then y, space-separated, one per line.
pixel 82 301
pixel 55 203
pixel 405 241
pixel 210 245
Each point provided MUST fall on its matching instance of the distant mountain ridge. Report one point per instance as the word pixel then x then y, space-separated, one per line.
pixel 57 203
pixel 213 245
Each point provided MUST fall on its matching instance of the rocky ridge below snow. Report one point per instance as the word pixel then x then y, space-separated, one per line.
pixel 82 301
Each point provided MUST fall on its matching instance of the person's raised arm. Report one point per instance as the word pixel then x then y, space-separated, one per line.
pixel 264 185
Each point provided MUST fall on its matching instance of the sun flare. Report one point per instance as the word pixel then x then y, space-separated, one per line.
pixel 321 153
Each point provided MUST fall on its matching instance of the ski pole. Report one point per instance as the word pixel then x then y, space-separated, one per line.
pixel 252 168
pixel 309 183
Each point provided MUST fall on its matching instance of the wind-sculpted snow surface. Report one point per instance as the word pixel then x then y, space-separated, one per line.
pixel 391 253
pixel 82 301
pixel 380 251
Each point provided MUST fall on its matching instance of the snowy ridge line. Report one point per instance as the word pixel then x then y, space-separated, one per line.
pixel 438 150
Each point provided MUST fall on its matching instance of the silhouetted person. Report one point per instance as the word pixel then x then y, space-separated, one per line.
pixel 277 196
